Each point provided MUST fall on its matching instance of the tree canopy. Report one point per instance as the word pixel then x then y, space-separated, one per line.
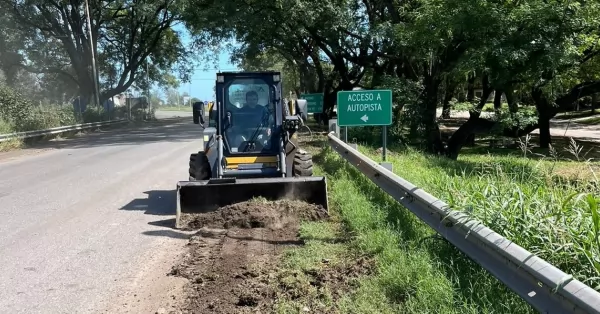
pixel 130 39
pixel 539 54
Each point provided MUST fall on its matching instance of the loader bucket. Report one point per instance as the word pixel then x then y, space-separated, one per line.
pixel 205 196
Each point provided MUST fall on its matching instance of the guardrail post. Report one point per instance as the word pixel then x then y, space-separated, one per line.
pixel 334 127
pixel 384 163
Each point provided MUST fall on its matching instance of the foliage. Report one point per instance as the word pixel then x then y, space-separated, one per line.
pixel 415 270
pixel 523 199
pixel 14 108
pixel 540 51
pixel 130 39
pixel 19 114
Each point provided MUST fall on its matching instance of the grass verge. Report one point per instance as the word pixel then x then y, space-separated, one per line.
pixel 407 270
pixel 175 108
pixel 58 116
pixel 547 206
pixel 590 121
pixel 533 200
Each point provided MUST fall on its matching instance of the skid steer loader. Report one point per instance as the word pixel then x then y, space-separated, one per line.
pixel 250 148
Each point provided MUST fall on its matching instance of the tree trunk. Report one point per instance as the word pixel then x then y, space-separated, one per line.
pixel 448 93
pixel 513 106
pixel 471 88
pixel 429 99
pixel 545 137
pixel 497 100
pixel 544 116
pixel 464 134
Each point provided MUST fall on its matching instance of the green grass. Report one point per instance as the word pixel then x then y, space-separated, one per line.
pixel 488 107
pixel 590 121
pixel 415 271
pixel 174 108
pixel 573 115
pixel 529 201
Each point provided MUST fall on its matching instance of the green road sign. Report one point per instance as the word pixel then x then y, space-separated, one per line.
pixel 314 102
pixel 364 107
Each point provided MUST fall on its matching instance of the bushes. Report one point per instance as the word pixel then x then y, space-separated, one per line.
pixel 14 108
pixel 19 114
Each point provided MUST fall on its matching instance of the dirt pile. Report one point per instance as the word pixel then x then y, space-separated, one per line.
pixel 256 214
pixel 233 257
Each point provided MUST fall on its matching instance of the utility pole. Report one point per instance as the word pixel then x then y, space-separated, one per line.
pixel 93 49
pixel 148 86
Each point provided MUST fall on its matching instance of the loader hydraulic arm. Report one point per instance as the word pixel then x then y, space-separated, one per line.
pixel 292 123
pixel 293 119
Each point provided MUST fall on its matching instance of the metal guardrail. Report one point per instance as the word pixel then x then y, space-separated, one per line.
pixel 545 287
pixel 57 130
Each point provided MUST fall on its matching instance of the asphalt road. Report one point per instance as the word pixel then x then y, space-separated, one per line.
pixel 86 223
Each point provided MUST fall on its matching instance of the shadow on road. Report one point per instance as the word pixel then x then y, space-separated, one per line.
pixel 168 233
pixel 157 203
pixel 134 133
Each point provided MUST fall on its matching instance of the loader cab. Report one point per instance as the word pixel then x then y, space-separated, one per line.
pixel 248 113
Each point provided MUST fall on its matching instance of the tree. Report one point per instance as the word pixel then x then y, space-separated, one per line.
pixel 131 39
pixel 424 50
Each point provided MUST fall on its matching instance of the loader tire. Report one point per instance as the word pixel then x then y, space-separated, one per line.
pixel 192 166
pixel 199 167
pixel 303 165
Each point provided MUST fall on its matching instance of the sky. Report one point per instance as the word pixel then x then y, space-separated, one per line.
pixel 202 82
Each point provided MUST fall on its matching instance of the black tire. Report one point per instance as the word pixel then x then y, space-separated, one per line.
pixel 192 166
pixel 303 164
pixel 199 167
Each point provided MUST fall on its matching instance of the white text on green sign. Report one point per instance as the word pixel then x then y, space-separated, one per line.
pixel 373 107
pixel 314 102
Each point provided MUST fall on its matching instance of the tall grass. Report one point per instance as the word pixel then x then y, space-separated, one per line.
pixel 416 271
pixel 522 198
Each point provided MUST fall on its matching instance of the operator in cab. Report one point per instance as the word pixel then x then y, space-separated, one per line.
pixel 252 107
pixel 256 111
pixel 255 115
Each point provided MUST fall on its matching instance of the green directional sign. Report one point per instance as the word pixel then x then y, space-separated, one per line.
pixel 314 102
pixel 364 107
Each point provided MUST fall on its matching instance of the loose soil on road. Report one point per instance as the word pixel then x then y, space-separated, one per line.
pixel 233 257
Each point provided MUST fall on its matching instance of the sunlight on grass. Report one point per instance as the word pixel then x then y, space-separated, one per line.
pixel 10 145
pixel 528 201
pixel 174 108
pixel 590 121
pixel 416 271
